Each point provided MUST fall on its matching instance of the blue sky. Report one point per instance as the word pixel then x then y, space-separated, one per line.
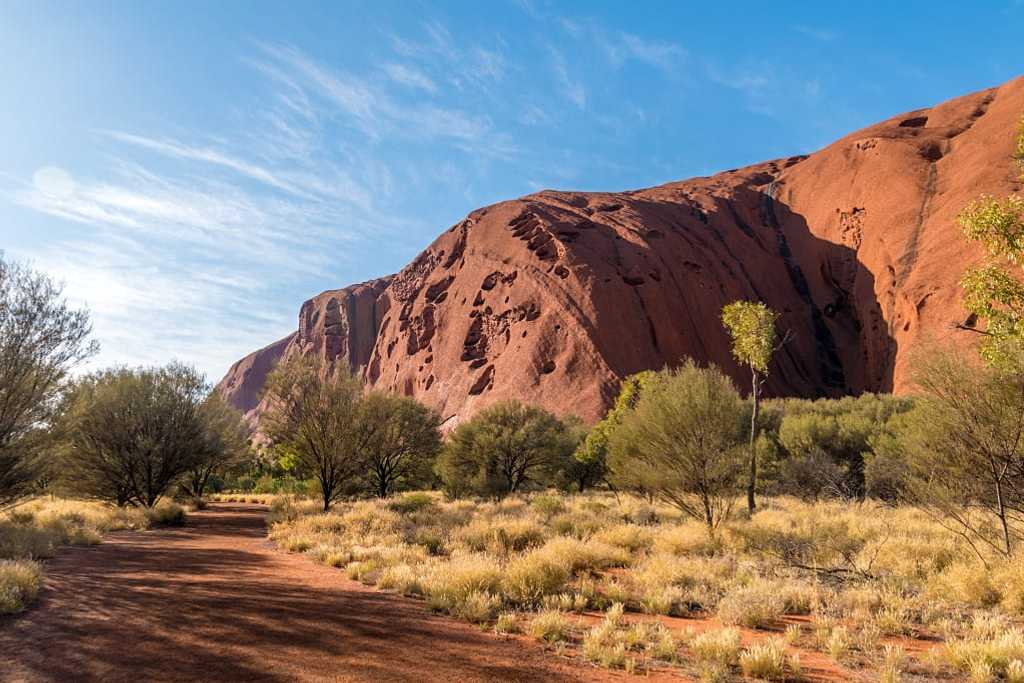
pixel 193 171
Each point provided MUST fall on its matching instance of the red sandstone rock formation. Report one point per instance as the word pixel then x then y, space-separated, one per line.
pixel 554 297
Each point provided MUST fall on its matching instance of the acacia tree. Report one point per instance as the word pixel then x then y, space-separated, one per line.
pixel 225 444
pixel 314 417
pixel 681 442
pixel 133 433
pixel 503 449
pixel 41 340
pixel 964 445
pixel 992 290
pixel 398 440
pixel 592 453
pixel 752 328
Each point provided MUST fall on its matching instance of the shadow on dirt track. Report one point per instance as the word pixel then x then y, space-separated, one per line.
pixel 213 601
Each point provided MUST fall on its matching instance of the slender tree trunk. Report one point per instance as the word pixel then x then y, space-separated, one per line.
pixel 1002 518
pixel 752 483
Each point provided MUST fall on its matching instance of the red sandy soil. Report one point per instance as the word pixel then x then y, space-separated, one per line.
pixel 213 601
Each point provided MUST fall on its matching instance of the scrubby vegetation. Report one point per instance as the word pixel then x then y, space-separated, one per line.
pixel 36 530
pixel 849 581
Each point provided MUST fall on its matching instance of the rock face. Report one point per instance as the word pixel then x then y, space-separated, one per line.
pixel 554 297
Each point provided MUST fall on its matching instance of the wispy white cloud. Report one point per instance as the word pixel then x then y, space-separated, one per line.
pixel 412 77
pixel 210 156
pixel 572 88
pixel 620 47
pixel 768 89
pixel 823 35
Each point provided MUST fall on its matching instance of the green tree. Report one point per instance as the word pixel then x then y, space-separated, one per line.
pixel 225 445
pixel 399 442
pixel 681 442
pixel 836 437
pixel 503 449
pixel 41 340
pixel 592 453
pixel 752 328
pixel 964 445
pixel 134 433
pixel 993 292
pixel 313 415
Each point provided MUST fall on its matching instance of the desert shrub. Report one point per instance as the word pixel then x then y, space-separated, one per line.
pixel 548 506
pixel 577 556
pixel 630 537
pixel 755 606
pixel 412 502
pixel 593 451
pixel 507 622
pixel 500 535
pixel 28 542
pixel 717 647
pixel 825 444
pixel 529 578
pixel 401 578
pixel 20 582
pixel 688 538
pixel 965 458
pixel 451 583
pixel 611 643
pixel 167 514
pixel 992 654
pixel 505 448
pixel 478 607
pixel 766 661
pixel 682 441
pixel 38 528
pixel 549 626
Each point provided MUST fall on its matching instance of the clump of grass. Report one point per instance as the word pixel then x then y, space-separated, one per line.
pixel 630 537
pixel 548 505
pixel 719 647
pixel 531 577
pixel 507 622
pixel 37 529
pixel 166 514
pixel 754 606
pixel 20 582
pixel 412 502
pixel 451 583
pixel 401 578
pixel 500 536
pixel 891 669
pixel 687 538
pixel 550 626
pixel 838 643
pixel 478 607
pixel 766 661
pixel 991 654
pixel 613 644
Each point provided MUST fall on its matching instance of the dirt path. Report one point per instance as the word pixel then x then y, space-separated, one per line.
pixel 213 601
